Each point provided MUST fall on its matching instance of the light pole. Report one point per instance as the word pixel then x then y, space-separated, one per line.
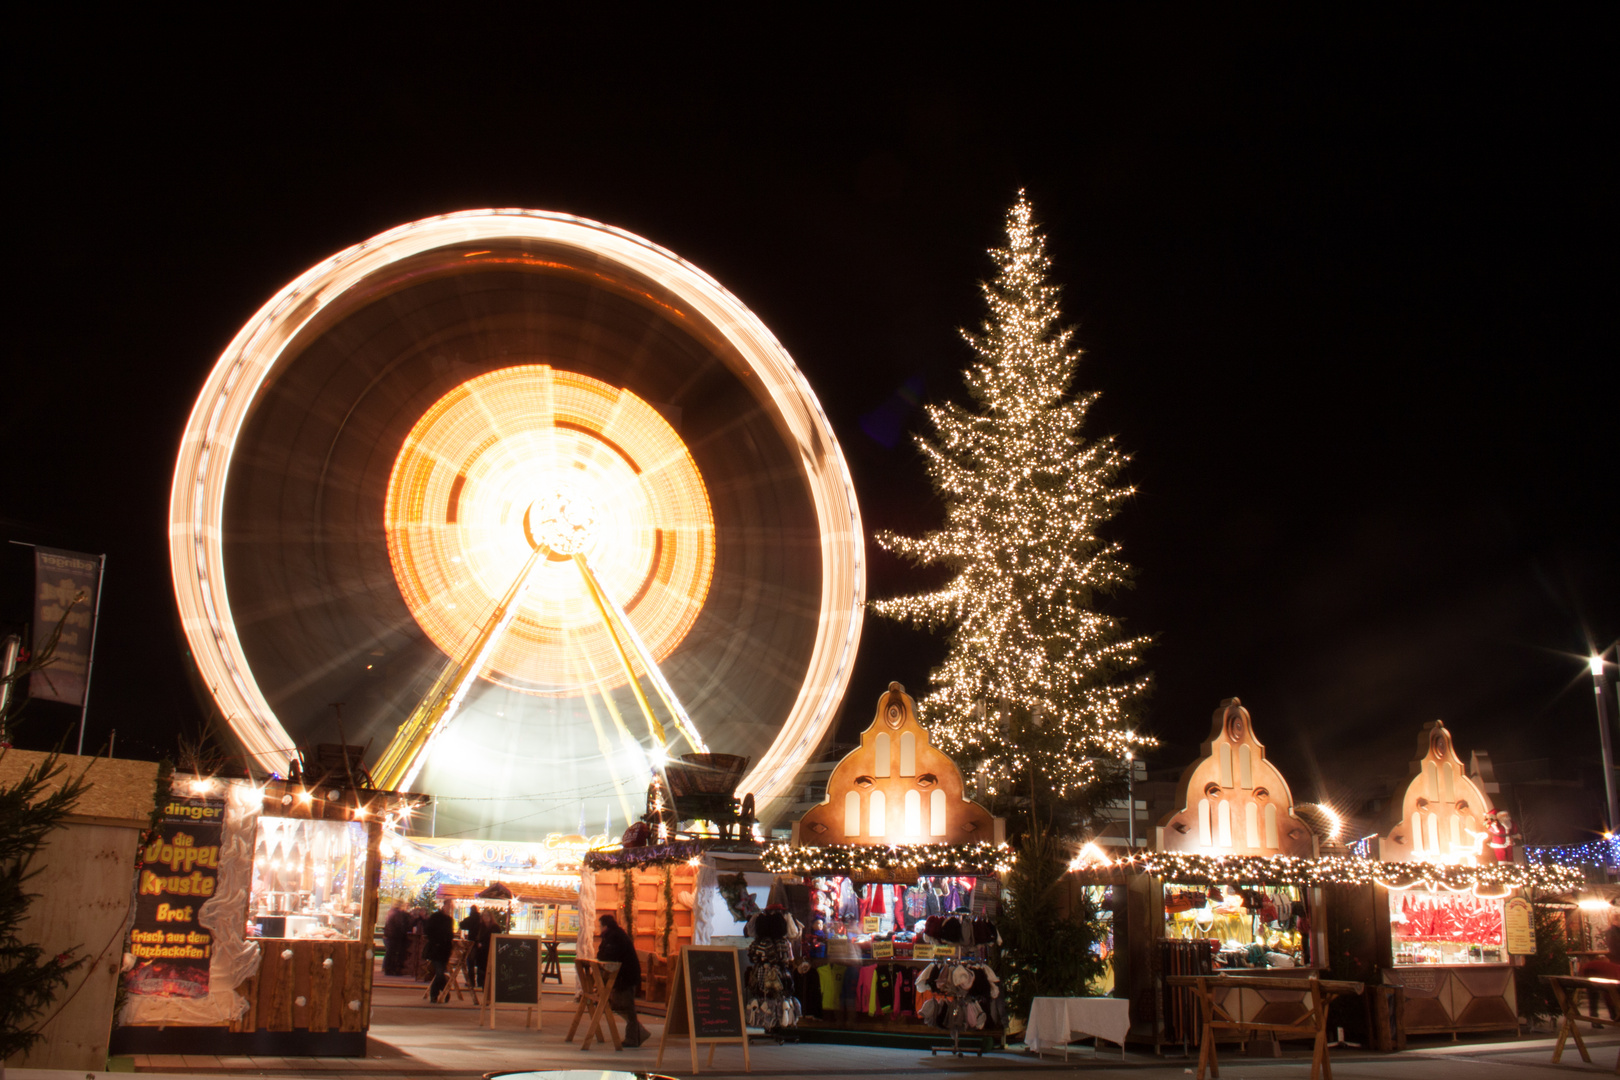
pixel 1130 796
pixel 1595 664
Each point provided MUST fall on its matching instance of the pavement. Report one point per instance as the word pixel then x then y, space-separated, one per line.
pixel 410 1038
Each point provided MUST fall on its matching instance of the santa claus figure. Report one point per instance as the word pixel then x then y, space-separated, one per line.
pixel 1500 836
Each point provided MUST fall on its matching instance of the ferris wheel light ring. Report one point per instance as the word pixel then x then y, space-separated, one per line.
pixel 597 470
pixel 202 470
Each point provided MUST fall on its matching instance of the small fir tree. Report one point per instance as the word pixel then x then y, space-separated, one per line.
pixel 29 979
pixel 1037 687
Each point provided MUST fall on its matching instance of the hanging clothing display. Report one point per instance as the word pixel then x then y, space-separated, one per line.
pixel 772 1001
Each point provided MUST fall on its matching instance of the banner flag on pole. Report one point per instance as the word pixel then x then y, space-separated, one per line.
pixel 60 577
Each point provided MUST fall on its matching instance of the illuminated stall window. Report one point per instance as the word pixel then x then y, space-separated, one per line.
pixel 1445 928
pixel 882 756
pixel 308 879
pixel 852 813
pixel 1253 925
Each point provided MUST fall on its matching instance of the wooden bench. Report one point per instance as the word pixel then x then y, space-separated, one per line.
pixel 654 976
pixel 1567 990
pixel 1218 1019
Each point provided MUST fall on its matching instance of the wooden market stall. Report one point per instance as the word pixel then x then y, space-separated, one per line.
pixel 279 954
pixel 899 871
pixel 1232 806
pixel 1447 949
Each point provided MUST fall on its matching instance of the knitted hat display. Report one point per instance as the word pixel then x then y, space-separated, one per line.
pixel 771 926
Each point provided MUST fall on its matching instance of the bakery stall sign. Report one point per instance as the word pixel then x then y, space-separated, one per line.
pixel 178 874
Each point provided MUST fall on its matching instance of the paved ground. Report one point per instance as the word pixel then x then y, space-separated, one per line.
pixel 410 1038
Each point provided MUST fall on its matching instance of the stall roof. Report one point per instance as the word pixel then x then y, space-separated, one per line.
pixel 121 792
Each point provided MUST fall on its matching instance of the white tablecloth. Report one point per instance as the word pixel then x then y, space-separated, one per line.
pixel 1053 1021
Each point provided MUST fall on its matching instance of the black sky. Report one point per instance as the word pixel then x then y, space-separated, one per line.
pixel 1341 284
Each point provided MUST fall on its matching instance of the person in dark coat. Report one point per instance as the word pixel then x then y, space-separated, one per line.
pixel 440 932
pixel 395 928
pixel 470 928
pixel 614 945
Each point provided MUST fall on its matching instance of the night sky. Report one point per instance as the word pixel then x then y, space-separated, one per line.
pixel 1340 286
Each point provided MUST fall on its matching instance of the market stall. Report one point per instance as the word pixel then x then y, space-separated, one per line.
pixel 901 889
pixel 687 873
pixel 1447 948
pixel 1224 908
pixel 253 933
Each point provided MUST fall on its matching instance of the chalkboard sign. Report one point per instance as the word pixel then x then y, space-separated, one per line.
pixel 706 1002
pixel 513 977
pixel 712 986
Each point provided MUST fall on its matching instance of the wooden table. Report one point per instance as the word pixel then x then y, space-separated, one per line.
pixel 1567 989
pixel 455 984
pixel 1053 1021
pixel 1217 1018
pixel 595 984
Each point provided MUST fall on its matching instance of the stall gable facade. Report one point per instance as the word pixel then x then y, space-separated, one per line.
pixel 1443 813
pixel 1447 949
pixel 1232 800
pixel 896 788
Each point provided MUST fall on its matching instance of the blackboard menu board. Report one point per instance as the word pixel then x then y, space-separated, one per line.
pixel 516 969
pixel 712 985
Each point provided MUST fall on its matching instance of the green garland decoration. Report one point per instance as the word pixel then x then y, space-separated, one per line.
pixel 669 907
pixel 656 855
pixel 1341 870
pixel 980 858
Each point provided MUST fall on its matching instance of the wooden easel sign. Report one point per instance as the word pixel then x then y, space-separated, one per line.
pixel 513 977
pixel 706 1003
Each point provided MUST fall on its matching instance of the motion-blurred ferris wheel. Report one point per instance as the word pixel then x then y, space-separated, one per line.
pixel 538 502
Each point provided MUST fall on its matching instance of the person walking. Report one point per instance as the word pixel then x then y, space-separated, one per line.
pixel 470 928
pixel 614 945
pixel 440 931
pixel 395 928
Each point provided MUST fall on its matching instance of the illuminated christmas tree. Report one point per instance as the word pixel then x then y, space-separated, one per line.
pixel 1037 686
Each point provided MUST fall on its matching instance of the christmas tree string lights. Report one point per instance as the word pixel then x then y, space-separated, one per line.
pixel 1036 687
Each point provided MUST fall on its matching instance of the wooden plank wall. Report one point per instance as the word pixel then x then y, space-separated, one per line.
pixel 325 975
pixel 649 911
pixel 84 883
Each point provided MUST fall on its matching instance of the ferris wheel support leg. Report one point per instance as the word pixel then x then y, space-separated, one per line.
pixel 399 765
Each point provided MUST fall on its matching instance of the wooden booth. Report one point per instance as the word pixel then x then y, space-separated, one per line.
pixel 898 874
pixel 1231 804
pixel 276 956
pixel 1447 949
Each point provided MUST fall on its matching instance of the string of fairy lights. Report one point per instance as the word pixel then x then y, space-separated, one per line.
pixel 976 858
pixel 1497 877
pixel 1601 852
pixel 984 858
pixel 1028 687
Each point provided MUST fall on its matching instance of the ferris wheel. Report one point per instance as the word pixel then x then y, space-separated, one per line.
pixel 539 503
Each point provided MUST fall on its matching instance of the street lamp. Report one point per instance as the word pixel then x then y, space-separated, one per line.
pixel 1595 664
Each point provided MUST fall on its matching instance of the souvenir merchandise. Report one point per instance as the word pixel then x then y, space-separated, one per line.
pixel 960 995
pixel 1250 925
pixel 773 983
